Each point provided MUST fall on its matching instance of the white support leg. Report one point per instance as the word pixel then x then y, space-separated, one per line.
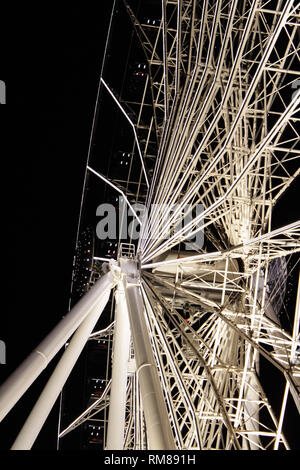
pixel 157 421
pixel 117 404
pixel 21 379
pixel 47 399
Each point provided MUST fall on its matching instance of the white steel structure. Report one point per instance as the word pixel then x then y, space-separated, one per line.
pixel 224 79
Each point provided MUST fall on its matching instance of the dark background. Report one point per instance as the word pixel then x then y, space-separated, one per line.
pixel 51 59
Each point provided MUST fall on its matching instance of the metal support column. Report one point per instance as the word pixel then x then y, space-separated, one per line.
pixel 47 399
pixel 117 404
pixel 157 421
pixel 21 379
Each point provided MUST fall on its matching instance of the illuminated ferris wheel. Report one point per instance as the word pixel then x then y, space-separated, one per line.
pixel 209 115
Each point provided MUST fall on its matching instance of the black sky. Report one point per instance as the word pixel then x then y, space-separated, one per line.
pixel 50 61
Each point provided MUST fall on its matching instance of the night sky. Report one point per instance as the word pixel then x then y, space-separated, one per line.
pixel 50 61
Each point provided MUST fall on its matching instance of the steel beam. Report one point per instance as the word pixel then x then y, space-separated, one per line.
pixel 156 417
pixel 20 380
pixel 121 348
pixel 47 399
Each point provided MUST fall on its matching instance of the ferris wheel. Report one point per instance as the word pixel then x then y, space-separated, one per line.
pixel 208 146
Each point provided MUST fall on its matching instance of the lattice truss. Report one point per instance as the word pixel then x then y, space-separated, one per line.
pixel 223 79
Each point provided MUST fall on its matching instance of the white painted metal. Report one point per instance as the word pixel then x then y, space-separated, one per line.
pixel 157 423
pixel 225 116
pixel 48 397
pixel 17 384
pixel 120 358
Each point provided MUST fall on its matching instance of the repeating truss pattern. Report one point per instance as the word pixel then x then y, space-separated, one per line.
pixel 216 126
